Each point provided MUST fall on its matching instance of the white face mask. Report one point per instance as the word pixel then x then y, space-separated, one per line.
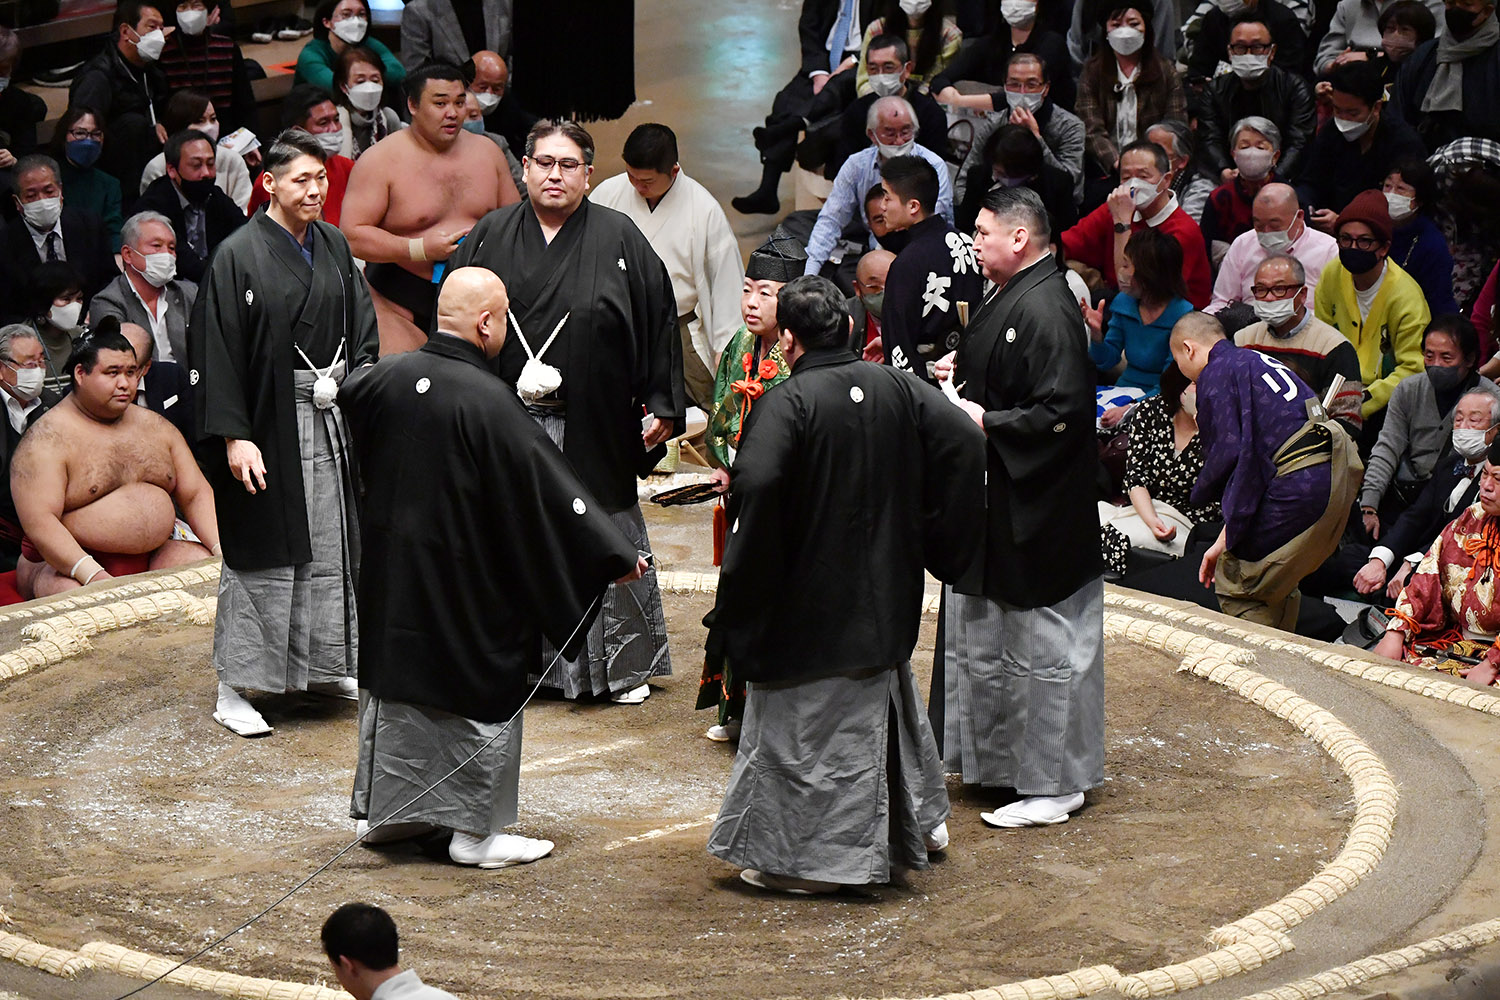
pixel 891 152
pixel 1278 241
pixel 1028 101
pixel 487 102
pixel 1254 162
pixel 42 213
pixel 1018 13
pixel 351 29
pixel 192 22
pixel 1399 204
pixel 331 142
pixel 1275 312
pixel 913 8
pixel 160 267
pixel 1468 442
pixel 66 317
pixel 886 84
pixel 1142 193
pixel 366 96
pixel 1351 131
pixel 1126 41
pixel 1248 67
pixel 29 382
pixel 1231 7
pixel 150 45
pixel 211 130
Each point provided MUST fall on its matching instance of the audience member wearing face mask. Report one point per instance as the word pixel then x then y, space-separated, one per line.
pixel 337 25
pixel 201 56
pixel 77 144
pixel 192 109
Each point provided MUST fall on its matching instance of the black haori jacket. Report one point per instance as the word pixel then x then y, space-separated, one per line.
pixel 850 479
pixel 477 536
pixel 1024 358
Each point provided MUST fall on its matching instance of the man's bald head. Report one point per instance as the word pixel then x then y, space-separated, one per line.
pixel 873 268
pixel 1192 338
pixel 472 306
pixel 140 340
pixel 1275 209
pixel 490 73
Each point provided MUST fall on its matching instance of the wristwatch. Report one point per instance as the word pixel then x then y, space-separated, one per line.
pixel 1120 227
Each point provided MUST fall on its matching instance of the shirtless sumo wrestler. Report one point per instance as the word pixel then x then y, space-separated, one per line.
pixel 96 478
pixel 413 196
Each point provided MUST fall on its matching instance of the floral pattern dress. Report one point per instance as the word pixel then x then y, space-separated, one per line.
pixel 1154 462
pixel 1448 604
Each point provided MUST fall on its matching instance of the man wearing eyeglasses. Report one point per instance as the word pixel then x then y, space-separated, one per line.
pixel 1258 86
pixel 412 199
pixel 1289 332
pixel 1376 305
pixel 23 369
pixel 594 347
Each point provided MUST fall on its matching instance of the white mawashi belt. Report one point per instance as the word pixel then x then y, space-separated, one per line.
pixel 325 389
pixel 537 379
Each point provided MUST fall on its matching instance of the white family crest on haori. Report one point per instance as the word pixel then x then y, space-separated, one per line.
pixel 857 394
pixel 961 247
pixel 249 297
pixel 538 379
pixel 932 296
pixel 423 384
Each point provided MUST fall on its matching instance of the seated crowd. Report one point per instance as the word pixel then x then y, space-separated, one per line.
pixel 1244 197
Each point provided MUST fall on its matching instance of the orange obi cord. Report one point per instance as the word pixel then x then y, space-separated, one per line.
pixel 1485 548
pixel 751 387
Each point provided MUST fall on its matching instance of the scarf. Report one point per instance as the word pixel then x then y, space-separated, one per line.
pixel 1484 547
pixel 374 125
pixel 1125 106
pixel 1446 92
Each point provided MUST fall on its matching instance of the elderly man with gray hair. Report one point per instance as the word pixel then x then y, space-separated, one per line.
pixel 891 126
pixel 149 293
pixel 1258 87
pixel 23 369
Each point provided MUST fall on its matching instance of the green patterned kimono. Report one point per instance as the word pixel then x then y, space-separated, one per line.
pixel 724 425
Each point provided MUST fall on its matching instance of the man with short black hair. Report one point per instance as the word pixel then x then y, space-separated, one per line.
pixel 281 315
pixel 311 108
pixel 403 229
pixel 933 280
pixel 362 945
pixel 49 229
pixel 594 344
pixel 128 90
pixel 689 232
pixel 1029 103
pixel 853 481
pixel 189 199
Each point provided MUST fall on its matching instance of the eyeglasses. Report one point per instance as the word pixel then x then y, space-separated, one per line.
pixel 39 363
pixel 1250 49
pixel 1360 242
pixel 546 163
pixel 97 134
pixel 1026 87
pixel 890 136
pixel 1264 292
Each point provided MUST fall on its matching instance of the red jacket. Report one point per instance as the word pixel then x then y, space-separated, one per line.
pixel 1092 242
pixel 338 181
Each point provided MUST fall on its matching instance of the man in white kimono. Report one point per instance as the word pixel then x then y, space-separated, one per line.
pixel 688 230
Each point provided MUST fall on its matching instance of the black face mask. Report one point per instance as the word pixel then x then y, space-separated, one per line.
pixel 1445 379
pixel 197 191
pixel 1459 22
pixel 1357 261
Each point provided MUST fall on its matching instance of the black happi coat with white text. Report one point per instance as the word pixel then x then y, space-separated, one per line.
pixel 851 478
pixel 619 349
pixel 1025 359
pixel 477 536
pixel 259 301
pixel 929 277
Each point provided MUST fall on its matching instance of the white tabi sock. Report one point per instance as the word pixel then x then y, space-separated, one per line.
pixel 1038 810
pixel 237 715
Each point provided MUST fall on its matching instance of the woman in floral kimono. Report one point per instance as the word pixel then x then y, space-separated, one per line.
pixel 751 364
pixel 1447 617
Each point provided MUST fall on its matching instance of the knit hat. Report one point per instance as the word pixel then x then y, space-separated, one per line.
pixel 781 258
pixel 1369 207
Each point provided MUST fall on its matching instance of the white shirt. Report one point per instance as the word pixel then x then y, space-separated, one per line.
pixel 40 239
pixel 690 233
pixel 406 986
pixel 1366 298
pixel 19 411
pixel 852 43
pixel 158 322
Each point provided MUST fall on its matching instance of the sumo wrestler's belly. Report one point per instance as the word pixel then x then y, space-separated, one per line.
pixel 134 519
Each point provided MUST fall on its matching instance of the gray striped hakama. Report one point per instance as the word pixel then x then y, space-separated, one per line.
pixel 627 643
pixel 282 628
pixel 1024 693
pixel 837 779
pixel 403 748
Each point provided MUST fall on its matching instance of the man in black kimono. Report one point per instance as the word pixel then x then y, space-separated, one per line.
pixel 1024 710
pixel 593 348
pixel 479 540
pixel 281 314
pixel 929 277
pixel 854 479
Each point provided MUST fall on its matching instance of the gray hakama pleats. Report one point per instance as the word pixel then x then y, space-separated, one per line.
pixel 403 748
pixel 280 629
pixel 627 642
pixel 836 779
pixel 1024 693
